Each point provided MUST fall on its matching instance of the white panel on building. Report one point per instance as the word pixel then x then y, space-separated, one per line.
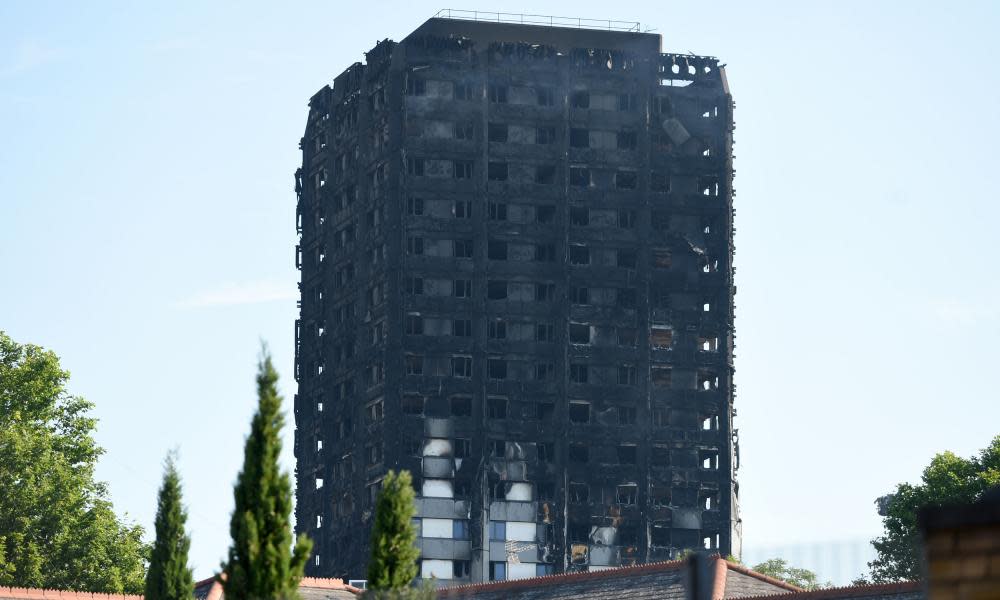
pixel 437 488
pixel 437 447
pixel 518 531
pixel 441 569
pixel 520 570
pixel 600 567
pixel 436 528
pixel 519 492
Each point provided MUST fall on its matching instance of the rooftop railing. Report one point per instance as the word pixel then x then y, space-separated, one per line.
pixel 544 20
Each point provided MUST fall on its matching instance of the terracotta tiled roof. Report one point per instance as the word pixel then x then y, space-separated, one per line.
pixel 654 580
pixel 903 589
pixel 560 578
pixel 310 588
pixel 12 593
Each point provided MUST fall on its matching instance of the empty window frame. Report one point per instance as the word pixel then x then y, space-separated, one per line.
pixel 464 130
pixel 579 333
pixel 462 169
pixel 659 455
pixel 545 214
pixel 497 132
pixel 707 381
pixel 626 180
pixel 460 406
pixel 462 288
pixel 412 404
pixel 661 337
pixel 544 371
pixel 496 250
pixel 626 258
pixel 545 253
pixel 462 209
pixel 545 174
pixel 496 289
pixel 461 569
pixel 579 492
pixel 660 376
pixel 498 94
pixel 462 248
pixel 461 366
pixel 415 166
pixel 496 368
pixel 627 375
pixel 662 258
pixel 579 452
pixel 545 96
pixel 627 494
pixel 579 138
pixel 414 364
pixel 414 245
pixel 497 171
pixel 496 329
pixel 497 211
pixel 545 135
pixel 579 373
pixel 496 407
pixel 413 325
pixel 659 496
pixel 579 412
pixel 461 91
pixel 415 206
pixel 579 216
pixel 545 292
pixel 628 454
pixel 579 177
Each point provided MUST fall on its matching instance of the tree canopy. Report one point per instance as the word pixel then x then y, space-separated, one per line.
pixel 393 563
pixel 262 562
pixel 57 527
pixel 780 569
pixel 948 479
pixel 169 577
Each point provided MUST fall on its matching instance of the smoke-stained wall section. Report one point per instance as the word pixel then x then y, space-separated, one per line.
pixel 516 251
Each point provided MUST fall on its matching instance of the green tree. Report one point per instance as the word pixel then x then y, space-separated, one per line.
pixel 948 479
pixel 780 569
pixel 169 577
pixel 57 527
pixel 393 563
pixel 262 562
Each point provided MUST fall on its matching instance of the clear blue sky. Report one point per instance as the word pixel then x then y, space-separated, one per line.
pixel 147 229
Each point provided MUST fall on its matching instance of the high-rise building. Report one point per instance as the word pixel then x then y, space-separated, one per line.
pixel 517 283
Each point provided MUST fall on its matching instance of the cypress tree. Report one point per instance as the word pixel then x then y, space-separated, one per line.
pixel 169 577
pixel 393 564
pixel 262 564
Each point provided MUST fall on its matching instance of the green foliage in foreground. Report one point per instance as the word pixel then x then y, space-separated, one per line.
pixel 262 562
pixel 948 479
pixel 780 569
pixel 426 591
pixel 169 577
pixel 57 527
pixel 393 563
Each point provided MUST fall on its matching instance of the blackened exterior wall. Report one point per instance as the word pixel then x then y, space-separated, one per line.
pixel 516 255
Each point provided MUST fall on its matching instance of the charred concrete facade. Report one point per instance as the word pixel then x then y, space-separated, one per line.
pixel 516 255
